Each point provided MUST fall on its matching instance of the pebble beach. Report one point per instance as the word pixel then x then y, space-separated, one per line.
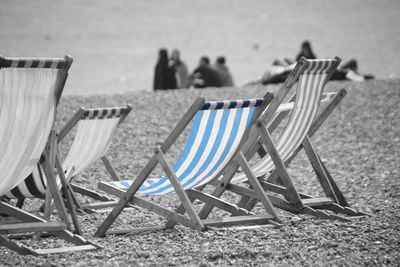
pixel 359 143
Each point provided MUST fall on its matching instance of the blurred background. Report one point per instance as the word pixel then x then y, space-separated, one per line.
pixel 115 43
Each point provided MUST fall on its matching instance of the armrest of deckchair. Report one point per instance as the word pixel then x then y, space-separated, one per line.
pixel 290 105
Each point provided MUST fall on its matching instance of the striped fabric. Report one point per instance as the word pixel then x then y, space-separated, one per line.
pixel 308 97
pixel 214 138
pixel 91 142
pixel 33 186
pixel 27 110
pixel 104 113
pixel 60 63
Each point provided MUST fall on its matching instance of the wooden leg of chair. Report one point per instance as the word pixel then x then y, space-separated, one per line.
pixel 280 166
pixel 48 202
pixel 318 168
pixel 179 189
pixel 128 196
pixel 52 184
pixel 68 196
pixel 110 169
pixel 261 195
pixel 220 188
pixel 338 193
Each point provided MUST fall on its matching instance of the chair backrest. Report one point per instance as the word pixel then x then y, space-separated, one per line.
pixel 93 137
pixel 29 93
pixel 217 132
pixel 310 86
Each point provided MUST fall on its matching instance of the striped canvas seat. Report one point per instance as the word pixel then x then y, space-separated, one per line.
pixel 309 95
pixel 215 135
pixel 95 128
pixel 28 96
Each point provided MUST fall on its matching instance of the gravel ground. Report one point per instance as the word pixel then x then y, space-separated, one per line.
pixel 360 144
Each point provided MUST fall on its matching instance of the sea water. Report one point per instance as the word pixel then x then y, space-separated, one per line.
pixel 115 43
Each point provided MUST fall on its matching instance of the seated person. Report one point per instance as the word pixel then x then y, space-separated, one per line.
pixel 278 72
pixel 204 75
pixel 223 72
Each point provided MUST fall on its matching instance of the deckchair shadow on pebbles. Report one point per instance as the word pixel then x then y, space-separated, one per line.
pixel 29 92
pixel 271 168
pixel 217 133
pixel 95 129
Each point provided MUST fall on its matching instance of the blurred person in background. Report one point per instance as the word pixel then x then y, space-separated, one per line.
pixel 164 75
pixel 204 75
pixel 280 69
pixel 181 71
pixel 347 71
pixel 225 76
pixel 306 51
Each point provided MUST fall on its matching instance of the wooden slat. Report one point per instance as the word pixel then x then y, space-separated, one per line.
pixel 31 227
pixel 28 217
pixel 16 246
pixel 64 249
pixel 90 193
pixel 18 213
pixel 110 168
pixel 253 219
pixel 217 202
pixel 241 190
pixel 136 230
pixel 317 201
pixel 100 205
pixel 273 187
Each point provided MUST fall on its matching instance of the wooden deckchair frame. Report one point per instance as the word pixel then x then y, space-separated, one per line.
pixel 187 196
pixel 105 201
pixel 31 223
pixel 69 174
pixel 293 201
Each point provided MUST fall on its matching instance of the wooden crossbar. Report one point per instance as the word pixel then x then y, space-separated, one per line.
pixel 31 227
pixel 239 220
pixel 46 251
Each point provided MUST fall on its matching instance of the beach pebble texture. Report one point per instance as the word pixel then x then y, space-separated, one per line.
pixel 360 144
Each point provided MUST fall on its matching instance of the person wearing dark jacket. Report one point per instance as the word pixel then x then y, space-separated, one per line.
pixel 204 75
pixel 164 75
pixel 223 71
pixel 306 51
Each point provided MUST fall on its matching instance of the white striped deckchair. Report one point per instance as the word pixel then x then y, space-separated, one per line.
pixel 29 93
pixel 95 129
pixel 218 131
pixel 312 76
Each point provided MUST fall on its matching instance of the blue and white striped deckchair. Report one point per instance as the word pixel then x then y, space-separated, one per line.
pixel 218 131
pixel 95 128
pixel 312 76
pixel 29 92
